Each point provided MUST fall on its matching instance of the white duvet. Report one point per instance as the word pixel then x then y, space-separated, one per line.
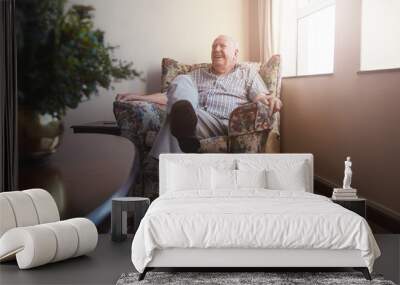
pixel 252 218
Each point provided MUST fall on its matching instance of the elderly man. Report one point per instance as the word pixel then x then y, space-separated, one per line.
pixel 199 103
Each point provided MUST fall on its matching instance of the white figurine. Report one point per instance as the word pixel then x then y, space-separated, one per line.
pixel 347 174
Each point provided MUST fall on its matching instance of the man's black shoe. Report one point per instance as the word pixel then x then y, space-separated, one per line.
pixel 189 145
pixel 183 120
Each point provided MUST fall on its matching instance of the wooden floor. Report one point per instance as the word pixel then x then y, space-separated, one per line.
pixel 110 259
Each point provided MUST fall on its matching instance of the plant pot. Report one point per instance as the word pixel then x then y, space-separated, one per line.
pixel 39 135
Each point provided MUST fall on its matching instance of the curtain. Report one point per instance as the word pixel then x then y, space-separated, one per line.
pixel 264 9
pixel 8 97
pixel 268 16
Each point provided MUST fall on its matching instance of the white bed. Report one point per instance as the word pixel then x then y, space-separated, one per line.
pixel 198 226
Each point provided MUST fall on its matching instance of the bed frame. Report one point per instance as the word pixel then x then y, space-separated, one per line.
pixel 241 259
pixel 249 259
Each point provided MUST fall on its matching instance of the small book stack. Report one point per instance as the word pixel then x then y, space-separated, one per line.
pixel 343 194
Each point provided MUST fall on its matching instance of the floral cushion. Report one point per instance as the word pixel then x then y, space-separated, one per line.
pixel 251 117
pixel 271 74
pixel 249 143
pixel 171 69
pixel 214 145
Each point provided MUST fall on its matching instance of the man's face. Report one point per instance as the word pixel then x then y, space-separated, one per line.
pixel 223 54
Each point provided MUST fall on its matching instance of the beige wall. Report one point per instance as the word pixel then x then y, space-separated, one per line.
pixel 348 113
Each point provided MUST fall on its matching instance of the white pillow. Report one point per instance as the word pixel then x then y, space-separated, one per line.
pixel 293 179
pixel 223 179
pixel 251 178
pixel 282 174
pixel 182 177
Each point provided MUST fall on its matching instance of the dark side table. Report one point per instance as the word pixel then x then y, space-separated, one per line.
pixel 120 207
pixel 358 205
pixel 98 127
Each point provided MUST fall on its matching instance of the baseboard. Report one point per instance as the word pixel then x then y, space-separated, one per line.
pixel 377 213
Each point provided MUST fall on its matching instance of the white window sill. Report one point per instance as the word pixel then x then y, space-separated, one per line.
pixel 307 75
pixel 378 70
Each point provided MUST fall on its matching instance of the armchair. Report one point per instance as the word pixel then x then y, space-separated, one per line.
pixel 250 130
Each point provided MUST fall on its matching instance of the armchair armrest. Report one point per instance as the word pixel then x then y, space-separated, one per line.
pixel 249 118
pixel 136 118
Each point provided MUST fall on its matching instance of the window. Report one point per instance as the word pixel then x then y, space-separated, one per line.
pixel 307 36
pixel 380 34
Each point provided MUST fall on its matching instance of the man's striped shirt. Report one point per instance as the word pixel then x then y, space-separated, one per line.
pixel 219 95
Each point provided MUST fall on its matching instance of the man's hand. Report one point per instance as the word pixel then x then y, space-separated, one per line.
pixel 273 103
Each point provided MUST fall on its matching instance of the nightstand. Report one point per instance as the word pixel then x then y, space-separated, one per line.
pixel 120 207
pixel 358 206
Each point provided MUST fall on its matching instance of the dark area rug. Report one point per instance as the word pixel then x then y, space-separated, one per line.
pixel 273 278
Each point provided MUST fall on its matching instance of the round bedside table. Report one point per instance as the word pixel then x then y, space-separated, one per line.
pixel 120 207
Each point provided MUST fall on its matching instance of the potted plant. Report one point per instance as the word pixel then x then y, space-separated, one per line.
pixel 62 61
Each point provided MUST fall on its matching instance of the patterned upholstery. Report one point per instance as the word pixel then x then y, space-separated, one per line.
pixel 171 69
pixel 139 121
pixel 250 127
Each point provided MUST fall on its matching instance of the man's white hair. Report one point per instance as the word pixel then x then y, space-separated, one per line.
pixel 230 39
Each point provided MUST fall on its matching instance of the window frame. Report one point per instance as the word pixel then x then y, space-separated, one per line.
pixel 301 13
